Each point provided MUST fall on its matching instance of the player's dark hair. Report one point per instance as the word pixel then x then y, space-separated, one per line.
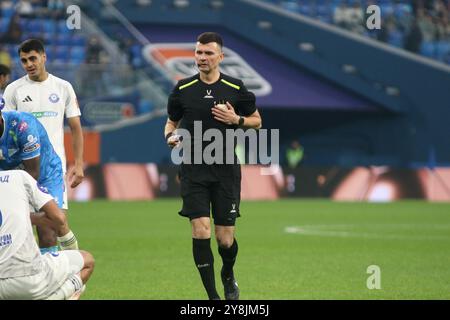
pixel 4 70
pixel 30 45
pixel 208 37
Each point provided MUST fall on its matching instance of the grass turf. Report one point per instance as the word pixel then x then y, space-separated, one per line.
pixel 288 249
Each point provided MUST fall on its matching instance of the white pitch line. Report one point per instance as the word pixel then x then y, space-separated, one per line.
pixel 342 231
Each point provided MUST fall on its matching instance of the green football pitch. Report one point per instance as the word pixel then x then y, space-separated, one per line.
pixel 288 249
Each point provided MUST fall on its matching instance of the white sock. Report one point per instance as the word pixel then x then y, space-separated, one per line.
pixel 72 284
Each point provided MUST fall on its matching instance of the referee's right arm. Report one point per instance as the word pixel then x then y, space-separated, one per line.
pixel 175 113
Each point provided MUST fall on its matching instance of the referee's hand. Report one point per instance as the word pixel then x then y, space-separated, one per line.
pixel 228 116
pixel 173 140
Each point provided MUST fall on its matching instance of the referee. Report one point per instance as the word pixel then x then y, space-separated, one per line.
pixel 213 188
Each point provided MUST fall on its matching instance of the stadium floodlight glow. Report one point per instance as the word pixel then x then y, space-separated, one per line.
pixel 181 3
pixel 306 46
pixel 392 91
pixel 349 68
pixel 265 25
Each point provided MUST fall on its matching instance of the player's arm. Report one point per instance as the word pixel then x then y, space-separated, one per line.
pixel 48 213
pixel 32 166
pixel 9 98
pixel 30 148
pixel 51 216
pixel 77 175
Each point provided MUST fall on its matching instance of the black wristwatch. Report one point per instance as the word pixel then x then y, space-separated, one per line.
pixel 241 121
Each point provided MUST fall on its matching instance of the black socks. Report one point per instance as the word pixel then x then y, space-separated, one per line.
pixel 229 258
pixel 204 260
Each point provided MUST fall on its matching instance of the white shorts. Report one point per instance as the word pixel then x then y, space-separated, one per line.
pixel 57 269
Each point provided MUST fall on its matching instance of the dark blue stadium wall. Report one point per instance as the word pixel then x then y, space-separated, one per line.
pixel 141 143
pixel 412 131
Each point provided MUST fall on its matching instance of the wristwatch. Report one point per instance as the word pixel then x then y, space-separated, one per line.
pixel 241 121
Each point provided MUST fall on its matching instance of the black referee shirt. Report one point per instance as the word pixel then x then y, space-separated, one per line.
pixel 192 99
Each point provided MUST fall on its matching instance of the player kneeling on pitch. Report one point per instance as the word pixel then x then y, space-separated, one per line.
pixel 25 274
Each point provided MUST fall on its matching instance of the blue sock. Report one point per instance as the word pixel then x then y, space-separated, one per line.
pixel 53 249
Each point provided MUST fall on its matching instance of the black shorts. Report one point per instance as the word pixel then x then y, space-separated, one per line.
pixel 211 189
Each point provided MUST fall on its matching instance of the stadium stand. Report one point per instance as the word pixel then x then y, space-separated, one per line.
pixel 427 23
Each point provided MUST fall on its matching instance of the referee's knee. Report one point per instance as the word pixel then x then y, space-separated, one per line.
pixel 225 242
pixel 201 228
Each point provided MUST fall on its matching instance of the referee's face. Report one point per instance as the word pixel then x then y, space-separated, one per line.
pixel 208 56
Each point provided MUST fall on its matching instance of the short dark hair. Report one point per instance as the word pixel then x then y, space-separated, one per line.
pixel 208 37
pixel 30 45
pixel 4 70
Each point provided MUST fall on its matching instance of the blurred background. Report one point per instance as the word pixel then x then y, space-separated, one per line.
pixel 363 113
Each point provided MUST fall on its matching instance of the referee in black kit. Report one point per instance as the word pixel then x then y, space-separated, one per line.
pixel 216 187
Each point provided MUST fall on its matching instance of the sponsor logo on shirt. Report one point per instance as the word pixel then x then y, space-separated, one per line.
pixel 5 240
pixel 43 114
pixel 31 148
pixel 208 94
pixel 53 98
pixel 23 126
pixel 31 145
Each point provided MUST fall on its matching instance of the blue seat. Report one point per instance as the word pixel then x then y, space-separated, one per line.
pixel 290 6
pixel 75 61
pixel 387 9
pixel 61 53
pixel 396 38
pixel 4 23
pixel 8 12
pixel 77 53
pixel 49 26
pixel 62 40
pixel 62 27
pixel 306 9
pixel 33 25
pixel 324 10
pixel 442 50
pixel 78 40
pixel 428 49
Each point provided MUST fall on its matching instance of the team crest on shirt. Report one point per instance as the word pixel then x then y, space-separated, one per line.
pixel 53 98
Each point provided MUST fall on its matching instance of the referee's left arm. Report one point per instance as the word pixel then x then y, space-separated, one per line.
pixel 253 121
